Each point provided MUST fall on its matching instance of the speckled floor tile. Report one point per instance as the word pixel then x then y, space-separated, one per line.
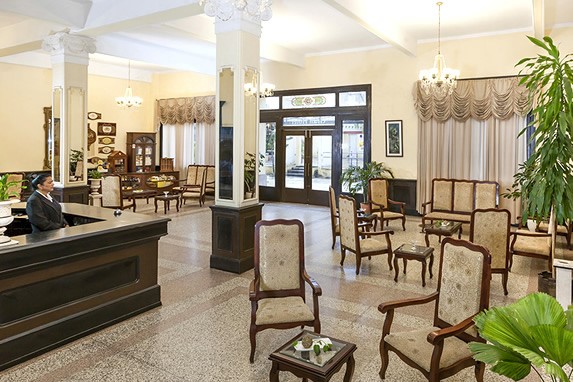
pixel 201 331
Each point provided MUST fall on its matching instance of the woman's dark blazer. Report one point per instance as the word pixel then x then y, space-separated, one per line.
pixel 43 214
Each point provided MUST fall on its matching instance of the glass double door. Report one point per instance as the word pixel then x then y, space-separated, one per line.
pixel 308 164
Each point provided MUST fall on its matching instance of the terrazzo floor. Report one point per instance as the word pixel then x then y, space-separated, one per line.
pixel 201 331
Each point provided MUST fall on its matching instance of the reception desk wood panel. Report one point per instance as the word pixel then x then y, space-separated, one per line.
pixel 60 285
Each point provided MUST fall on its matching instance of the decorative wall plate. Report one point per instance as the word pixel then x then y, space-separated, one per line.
pixel 106 140
pixel 105 149
pixel 93 115
pixel 105 128
pixel 95 160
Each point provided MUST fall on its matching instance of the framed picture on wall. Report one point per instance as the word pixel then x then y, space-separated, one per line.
pixel 105 128
pixel 394 145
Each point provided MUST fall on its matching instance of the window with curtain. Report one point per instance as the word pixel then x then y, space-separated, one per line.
pixel 472 134
pixel 188 133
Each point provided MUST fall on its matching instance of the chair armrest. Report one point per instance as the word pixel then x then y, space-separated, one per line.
pixel 391 305
pixel 316 289
pixel 424 205
pixel 442 334
pixel 377 233
pixel 381 206
pixel 530 234
pixel 253 288
pixel 396 202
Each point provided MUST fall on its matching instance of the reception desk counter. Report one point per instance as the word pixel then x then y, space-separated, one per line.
pixel 57 286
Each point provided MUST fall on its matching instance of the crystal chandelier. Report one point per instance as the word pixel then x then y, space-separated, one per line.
pixel 440 79
pixel 128 98
pixel 265 90
pixel 224 9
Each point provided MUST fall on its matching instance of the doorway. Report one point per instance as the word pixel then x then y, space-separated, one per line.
pixel 307 165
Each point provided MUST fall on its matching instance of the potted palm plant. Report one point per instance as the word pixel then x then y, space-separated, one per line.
pixel 532 333
pixel 357 177
pixel 545 180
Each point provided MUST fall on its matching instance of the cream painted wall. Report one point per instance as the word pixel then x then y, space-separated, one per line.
pixel 182 84
pixel 393 74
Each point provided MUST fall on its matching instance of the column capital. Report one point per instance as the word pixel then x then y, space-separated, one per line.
pixel 239 22
pixel 66 47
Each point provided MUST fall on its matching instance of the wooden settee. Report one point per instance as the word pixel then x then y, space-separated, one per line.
pixel 455 199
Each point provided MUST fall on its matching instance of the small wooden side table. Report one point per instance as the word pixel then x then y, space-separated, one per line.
pixel 166 199
pixel 286 358
pixel 443 229
pixel 416 252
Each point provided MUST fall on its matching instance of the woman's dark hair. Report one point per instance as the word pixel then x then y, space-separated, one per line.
pixel 40 179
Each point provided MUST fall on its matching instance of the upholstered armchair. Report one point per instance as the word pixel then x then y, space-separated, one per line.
pixel 531 244
pixel 112 194
pixel 378 199
pixel 361 243
pixel 441 350
pixel 209 181
pixel 562 230
pixel 333 215
pixel 196 189
pixel 277 293
pixel 490 228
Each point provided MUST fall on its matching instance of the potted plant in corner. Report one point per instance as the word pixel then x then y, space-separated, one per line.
pixel 8 196
pixel 532 333
pixel 545 180
pixel 356 178
pixel 250 173
pixel 94 177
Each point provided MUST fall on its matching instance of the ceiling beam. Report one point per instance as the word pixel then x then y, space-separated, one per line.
pixel 371 21
pixel 538 15
pixel 73 13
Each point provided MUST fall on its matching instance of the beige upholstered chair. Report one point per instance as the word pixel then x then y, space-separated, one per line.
pixel 562 230
pixel 441 350
pixel 378 198
pixel 277 293
pixel 490 228
pixel 531 244
pixel 333 215
pixel 112 194
pixel 361 243
pixel 195 189
pixel 210 181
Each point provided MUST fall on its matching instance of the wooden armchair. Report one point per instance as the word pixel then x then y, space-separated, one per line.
pixel 463 291
pixel 277 293
pixel 562 230
pixel 361 243
pixel 210 181
pixel 490 228
pixel 333 215
pixel 531 244
pixel 378 198
pixel 194 186
pixel 112 193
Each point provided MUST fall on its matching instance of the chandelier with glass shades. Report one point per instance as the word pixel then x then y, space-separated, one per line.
pixel 128 99
pixel 440 79
pixel 265 90
pixel 224 9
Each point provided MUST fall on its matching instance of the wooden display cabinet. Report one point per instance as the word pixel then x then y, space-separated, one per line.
pixel 141 152
pixel 117 162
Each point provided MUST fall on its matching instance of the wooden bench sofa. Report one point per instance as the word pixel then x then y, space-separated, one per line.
pixel 455 199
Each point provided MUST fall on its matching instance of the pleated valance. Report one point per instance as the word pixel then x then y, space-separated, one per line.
pixel 479 99
pixel 175 111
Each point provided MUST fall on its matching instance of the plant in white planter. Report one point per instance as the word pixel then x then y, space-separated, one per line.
pixel 94 177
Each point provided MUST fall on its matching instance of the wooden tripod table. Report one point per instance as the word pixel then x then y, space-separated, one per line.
pixel 414 252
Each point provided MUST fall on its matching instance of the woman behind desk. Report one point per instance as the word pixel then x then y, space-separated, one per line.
pixel 44 213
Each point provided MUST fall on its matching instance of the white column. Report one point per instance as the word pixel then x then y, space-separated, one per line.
pixel 70 57
pixel 563 277
pixel 238 57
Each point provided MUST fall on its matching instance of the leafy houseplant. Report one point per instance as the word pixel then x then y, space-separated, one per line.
pixel 545 180
pixel 250 171
pixel 533 332
pixel 94 174
pixel 357 177
pixel 7 187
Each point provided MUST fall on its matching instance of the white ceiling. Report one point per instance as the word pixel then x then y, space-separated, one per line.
pixel 171 35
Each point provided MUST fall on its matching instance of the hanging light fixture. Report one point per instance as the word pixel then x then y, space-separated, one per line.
pixel 128 98
pixel 266 89
pixel 224 9
pixel 440 79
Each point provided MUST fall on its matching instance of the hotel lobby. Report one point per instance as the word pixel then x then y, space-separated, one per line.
pixel 310 96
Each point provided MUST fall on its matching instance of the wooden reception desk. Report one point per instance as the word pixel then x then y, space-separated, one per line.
pixel 60 285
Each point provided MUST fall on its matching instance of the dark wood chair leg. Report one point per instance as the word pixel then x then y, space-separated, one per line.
pixel 358 263
pixel 317 326
pixel 253 337
pixel 504 282
pixel 383 359
pixel 479 371
pixel 342 255
pixel 404 223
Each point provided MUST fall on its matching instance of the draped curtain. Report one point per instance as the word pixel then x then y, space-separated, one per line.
pixel 472 134
pixel 188 130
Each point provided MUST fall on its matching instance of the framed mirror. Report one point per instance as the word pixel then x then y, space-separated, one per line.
pixel 76 135
pixel 55 141
pixel 251 160
pixel 226 78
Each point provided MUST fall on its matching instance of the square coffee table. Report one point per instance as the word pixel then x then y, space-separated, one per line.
pixel 304 364
pixel 414 252
pixel 443 228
